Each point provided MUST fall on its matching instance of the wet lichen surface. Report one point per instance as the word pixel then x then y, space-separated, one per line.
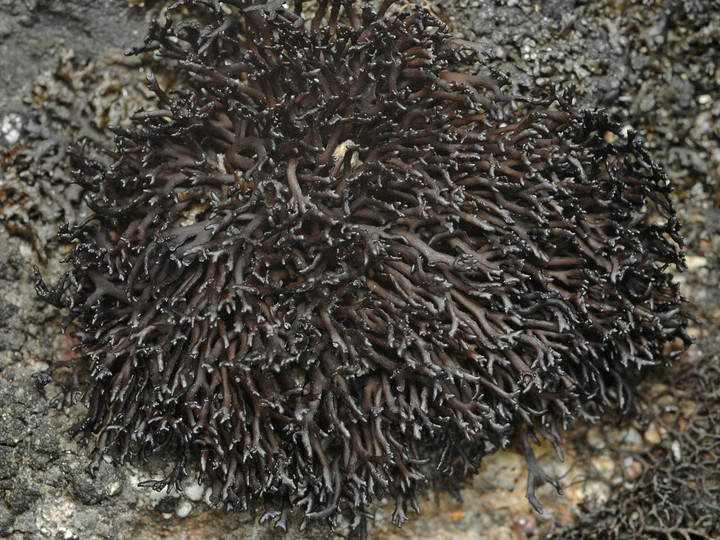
pixel 645 454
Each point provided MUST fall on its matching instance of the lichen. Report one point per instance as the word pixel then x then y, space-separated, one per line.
pixel 339 254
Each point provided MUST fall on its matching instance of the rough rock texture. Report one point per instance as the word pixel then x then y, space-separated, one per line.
pixel 655 66
pixel 34 32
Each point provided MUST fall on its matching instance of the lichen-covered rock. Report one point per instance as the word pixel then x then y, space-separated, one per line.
pixel 337 254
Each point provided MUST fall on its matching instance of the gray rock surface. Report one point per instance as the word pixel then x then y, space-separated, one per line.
pixel 33 32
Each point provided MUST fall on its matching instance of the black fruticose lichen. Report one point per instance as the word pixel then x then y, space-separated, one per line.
pixel 675 491
pixel 333 256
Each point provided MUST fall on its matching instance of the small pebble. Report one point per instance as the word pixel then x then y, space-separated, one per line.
pixel 194 492
pixel 184 509
pixel 11 128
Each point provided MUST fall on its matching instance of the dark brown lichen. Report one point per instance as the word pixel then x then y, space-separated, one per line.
pixel 671 487
pixel 77 98
pixel 339 253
